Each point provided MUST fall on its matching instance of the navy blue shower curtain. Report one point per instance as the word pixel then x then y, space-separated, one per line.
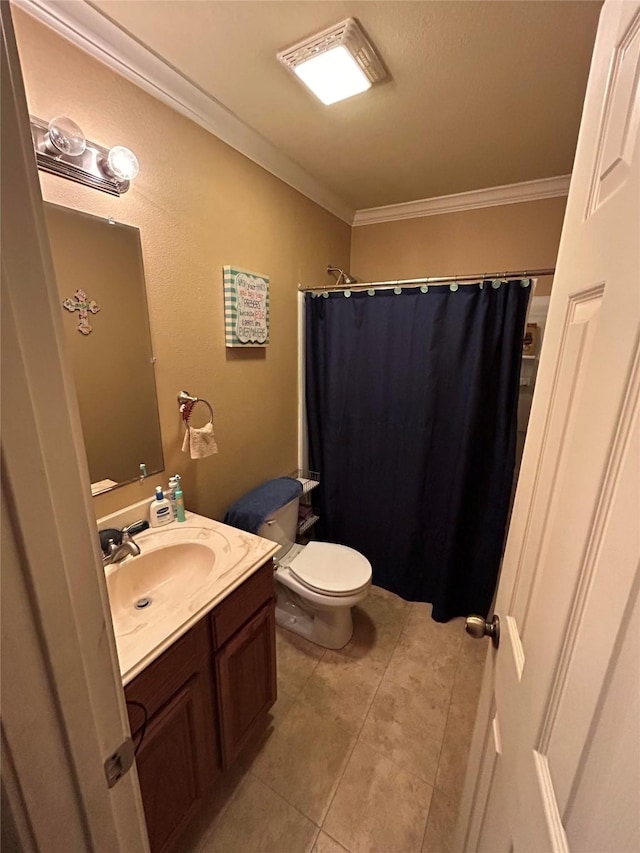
pixel 412 407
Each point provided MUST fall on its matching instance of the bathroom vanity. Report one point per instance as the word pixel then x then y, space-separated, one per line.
pixel 199 672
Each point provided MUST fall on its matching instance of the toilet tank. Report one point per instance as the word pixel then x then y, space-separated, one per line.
pixel 281 526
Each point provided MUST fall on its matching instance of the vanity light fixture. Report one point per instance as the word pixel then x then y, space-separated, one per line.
pixel 335 64
pixel 122 163
pixel 62 149
pixel 65 137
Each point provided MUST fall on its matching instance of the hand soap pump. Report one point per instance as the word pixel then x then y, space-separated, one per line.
pixel 179 500
pixel 160 510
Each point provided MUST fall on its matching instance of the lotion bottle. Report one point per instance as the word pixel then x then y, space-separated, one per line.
pixel 179 501
pixel 160 512
pixel 171 494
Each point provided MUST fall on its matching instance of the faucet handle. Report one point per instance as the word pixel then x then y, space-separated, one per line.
pixel 108 550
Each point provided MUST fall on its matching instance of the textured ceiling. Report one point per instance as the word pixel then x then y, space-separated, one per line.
pixel 481 93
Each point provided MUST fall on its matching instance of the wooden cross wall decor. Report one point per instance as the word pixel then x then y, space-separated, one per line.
pixel 83 305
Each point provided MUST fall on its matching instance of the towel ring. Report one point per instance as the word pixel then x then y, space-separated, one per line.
pixel 187 402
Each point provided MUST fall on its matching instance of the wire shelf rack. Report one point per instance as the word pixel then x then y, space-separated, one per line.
pixel 307 517
pixel 309 479
pixel 307 523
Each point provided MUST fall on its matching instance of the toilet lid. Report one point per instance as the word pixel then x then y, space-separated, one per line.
pixel 334 569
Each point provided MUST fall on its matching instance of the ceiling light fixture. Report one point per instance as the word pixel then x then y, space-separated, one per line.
pixel 335 64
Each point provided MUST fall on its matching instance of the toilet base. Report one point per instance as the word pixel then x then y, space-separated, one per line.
pixel 330 627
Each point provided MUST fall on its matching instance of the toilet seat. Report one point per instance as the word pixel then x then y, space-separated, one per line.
pixel 330 569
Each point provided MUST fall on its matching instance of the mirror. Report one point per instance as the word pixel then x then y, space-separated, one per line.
pixel 109 343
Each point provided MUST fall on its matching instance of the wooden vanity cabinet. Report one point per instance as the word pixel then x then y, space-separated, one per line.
pixel 246 677
pixel 178 756
pixel 193 709
pixel 243 629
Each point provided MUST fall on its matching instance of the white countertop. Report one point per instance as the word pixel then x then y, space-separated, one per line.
pixel 142 635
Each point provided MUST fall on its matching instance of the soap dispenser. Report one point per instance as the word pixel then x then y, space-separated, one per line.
pixel 160 512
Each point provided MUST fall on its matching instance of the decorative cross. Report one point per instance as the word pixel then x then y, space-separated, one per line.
pixel 83 305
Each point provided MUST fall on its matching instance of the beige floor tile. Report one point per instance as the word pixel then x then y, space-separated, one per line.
pixel 277 713
pixel 383 606
pixel 342 688
pixel 282 705
pixel 259 821
pixel 407 727
pixel 475 651
pixel 462 714
pixel 417 730
pixel 441 824
pixel 218 799
pixel 296 660
pixel 373 642
pixel 326 844
pixel 468 680
pixel 455 750
pixel 420 632
pixel 303 760
pixel 378 808
pixel 424 672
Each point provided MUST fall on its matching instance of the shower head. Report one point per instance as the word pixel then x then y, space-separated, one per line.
pixel 342 277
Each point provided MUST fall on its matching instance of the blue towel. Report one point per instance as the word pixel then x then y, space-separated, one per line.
pixel 253 509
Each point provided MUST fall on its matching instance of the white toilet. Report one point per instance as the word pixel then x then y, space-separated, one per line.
pixel 317 584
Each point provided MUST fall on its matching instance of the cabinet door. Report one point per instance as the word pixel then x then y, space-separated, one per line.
pixel 246 670
pixel 174 762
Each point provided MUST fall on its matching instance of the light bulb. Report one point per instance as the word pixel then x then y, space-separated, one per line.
pixel 122 163
pixel 66 137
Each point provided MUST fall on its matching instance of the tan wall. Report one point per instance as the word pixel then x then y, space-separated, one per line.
pixel 199 205
pixel 509 237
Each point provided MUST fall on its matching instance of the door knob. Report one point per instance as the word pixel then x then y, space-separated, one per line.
pixel 477 627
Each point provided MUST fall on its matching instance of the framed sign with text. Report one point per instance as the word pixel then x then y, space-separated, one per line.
pixel 246 308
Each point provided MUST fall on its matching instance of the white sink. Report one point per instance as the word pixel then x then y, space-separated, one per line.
pixel 184 570
pixel 154 595
pixel 165 577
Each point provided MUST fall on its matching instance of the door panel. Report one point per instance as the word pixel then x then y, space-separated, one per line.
pixel 591 647
pixel 608 766
pixel 565 682
pixel 620 125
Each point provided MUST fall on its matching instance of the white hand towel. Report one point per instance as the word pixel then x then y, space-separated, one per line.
pixel 200 442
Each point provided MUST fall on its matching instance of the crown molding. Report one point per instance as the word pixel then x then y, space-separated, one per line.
pixel 491 197
pixel 92 32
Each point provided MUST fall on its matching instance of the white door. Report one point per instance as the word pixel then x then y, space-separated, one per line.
pixel 555 760
pixel 63 710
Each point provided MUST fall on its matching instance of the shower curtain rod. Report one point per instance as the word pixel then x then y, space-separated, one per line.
pixel 417 282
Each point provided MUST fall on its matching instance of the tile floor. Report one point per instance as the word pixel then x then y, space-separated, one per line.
pixel 366 747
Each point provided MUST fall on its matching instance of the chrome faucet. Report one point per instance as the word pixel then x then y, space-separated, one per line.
pixel 117 553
